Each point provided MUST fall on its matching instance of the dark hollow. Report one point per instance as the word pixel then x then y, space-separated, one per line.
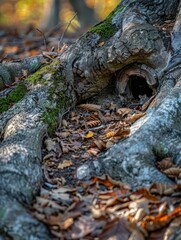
pixel 138 86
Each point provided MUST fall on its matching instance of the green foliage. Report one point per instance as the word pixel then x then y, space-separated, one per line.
pixel 16 95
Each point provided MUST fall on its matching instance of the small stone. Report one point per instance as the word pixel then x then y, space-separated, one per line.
pixel 83 172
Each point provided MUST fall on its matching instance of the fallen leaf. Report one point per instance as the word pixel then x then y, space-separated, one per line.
pixel 161 189
pixel 165 163
pixel 172 172
pixel 93 151
pixel 64 164
pixel 134 117
pixel 67 223
pixel 110 134
pixel 101 44
pixel 100 144
pixel 64 123
pixel 93 123
pixel 90 107
pixel 124 111
pixel 90 134
pixel 50 144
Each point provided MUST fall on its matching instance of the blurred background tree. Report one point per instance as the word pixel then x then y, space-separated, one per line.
pixel 48 13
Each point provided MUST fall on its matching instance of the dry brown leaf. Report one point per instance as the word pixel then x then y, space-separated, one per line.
pixel 101 44
pixel 64 123
pixel 173 172
pixel 48 156
pixel 116 229
pixel 65 149
pixel 93 123
pixel 165 163
pixel 67 223
pixel 90 107
pixel 93 151
pixel 134 117
pixel 124 111
pixel 163 207
pixel 97 212
pixel 122 132
pixel 105 180
pixel 100 144
pixel 161 189
pixel 152 223
pixel 43 202
pixel 173 227
pixel 63 134
pixel 50 144
pixel 140 203
pixel 64 164
pixel 140 214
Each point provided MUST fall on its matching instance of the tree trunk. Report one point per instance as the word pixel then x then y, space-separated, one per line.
pixel 138 40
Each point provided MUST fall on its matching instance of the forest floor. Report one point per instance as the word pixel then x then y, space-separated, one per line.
pixel 100 208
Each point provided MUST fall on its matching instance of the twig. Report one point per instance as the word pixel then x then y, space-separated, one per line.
pixel 62 36
pixel 43 38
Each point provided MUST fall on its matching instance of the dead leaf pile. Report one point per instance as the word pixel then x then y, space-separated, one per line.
pixel 105 209
pixel 102 208
pixel 81 137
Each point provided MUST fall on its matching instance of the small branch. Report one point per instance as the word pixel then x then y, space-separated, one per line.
pixel 62 36
pixel 43 38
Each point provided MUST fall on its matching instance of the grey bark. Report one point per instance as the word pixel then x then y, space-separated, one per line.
pixel 84 70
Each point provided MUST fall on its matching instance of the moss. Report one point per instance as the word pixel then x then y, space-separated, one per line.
pixel 105 29
pixel 58 102
pixel 44 74
pixel 16 95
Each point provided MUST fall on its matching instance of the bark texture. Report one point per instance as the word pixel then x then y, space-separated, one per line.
pixel 132 41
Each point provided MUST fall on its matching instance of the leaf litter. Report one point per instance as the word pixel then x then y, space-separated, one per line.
pixel 102 208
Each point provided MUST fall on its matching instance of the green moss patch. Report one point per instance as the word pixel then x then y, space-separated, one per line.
pixel 105 28
pixel 59 103
pixel 15 95
pixel 42 75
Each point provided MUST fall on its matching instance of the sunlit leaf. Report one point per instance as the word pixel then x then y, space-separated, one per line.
pixel 90 134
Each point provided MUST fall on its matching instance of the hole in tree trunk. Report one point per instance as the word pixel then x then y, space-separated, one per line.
pixel 138 86
pixel 136 80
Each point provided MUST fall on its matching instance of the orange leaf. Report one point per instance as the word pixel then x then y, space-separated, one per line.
pixel 110 134
pixel 93 123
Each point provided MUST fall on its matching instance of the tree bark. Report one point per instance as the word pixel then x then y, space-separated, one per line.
pixel 131 41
